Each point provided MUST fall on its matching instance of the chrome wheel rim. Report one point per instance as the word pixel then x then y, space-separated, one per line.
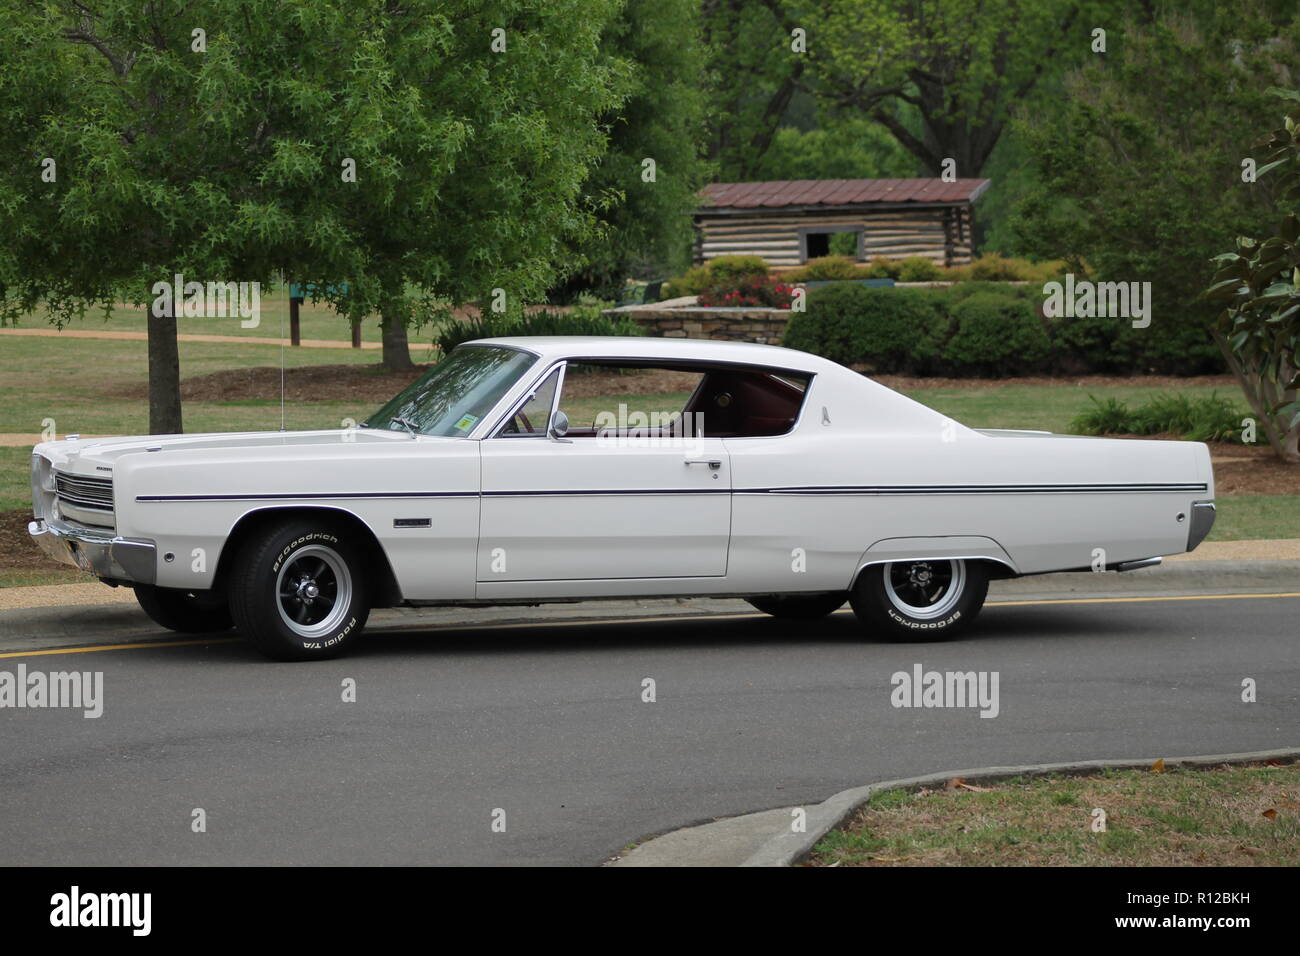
pixel 925 589
pixel 313 591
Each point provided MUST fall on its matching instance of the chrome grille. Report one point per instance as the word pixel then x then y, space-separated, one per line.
pixel 84 492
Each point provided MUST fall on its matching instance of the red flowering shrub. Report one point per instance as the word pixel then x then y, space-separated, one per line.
pixel 749 292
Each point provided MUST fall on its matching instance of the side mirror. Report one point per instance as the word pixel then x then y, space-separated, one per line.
pixel 559 425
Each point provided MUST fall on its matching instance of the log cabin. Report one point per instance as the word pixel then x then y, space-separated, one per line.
pixel 789 222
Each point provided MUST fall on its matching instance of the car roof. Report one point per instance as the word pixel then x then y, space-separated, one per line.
pixel 667 349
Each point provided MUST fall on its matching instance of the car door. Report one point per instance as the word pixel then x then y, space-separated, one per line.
pixel 586 508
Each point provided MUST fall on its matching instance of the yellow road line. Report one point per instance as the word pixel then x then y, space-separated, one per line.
pixel 1130 600
pixel 119 647
pixel 453 628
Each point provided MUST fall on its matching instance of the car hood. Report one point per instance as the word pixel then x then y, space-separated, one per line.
pixel 99 455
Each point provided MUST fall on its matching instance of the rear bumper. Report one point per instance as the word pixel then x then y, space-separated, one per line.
pixel 102 553
pixel 1203 514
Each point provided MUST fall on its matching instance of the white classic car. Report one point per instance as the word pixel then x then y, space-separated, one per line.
pixel 509 475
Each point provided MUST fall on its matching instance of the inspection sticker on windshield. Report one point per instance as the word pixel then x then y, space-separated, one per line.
pixel 466 423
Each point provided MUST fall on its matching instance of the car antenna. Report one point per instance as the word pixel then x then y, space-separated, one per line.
pixel 282 369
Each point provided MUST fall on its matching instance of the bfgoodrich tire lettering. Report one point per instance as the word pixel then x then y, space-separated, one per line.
pixel 920 601
pixel 299 591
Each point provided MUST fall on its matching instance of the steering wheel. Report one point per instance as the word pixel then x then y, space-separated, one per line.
pixel 523 420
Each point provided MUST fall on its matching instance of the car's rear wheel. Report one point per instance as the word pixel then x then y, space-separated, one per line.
pixel 298 591
pixel 920 600
pixel 189 612
pixel 799 607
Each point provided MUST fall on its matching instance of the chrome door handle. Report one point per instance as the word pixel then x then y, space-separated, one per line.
pixel 713 463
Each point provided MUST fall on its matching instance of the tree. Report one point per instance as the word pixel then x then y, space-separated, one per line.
pixel 753 77
pixel 644 214
pixel 405 150
pixel 944 75
pixel 838 146
pixel 1139 169
pixel 1259 283
pixel 473 158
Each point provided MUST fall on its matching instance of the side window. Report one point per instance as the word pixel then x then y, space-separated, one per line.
pixel 607 400
pixel 744 403
pixel 604 399
pixel 532 418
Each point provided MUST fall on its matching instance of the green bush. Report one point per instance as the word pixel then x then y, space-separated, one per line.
pixel 1024 293
pixel 1097 344
pixel 882 268
pixel 1202 419
pixel 580 321
pixel 828 268
pixel 919 269
pixel 994 267
pixel 719 271
pixel 997 334
pixel 735 268
pixel 888 330
pixel 982 328
pixel 1205 419
pixel 1109 417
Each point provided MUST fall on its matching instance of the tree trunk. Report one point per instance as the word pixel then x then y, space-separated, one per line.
pixel 1284 441
pixel 397 352
pixel 164 374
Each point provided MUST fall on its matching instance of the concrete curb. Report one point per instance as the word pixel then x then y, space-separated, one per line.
pixel 1171 578
pixel 781 847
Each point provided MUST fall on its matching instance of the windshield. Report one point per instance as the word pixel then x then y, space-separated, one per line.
pixel 453 396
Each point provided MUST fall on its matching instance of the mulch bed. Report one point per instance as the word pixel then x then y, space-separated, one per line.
pixel 17 550
pixel 1239 470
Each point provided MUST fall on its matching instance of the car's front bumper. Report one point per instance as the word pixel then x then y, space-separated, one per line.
pixel 102 553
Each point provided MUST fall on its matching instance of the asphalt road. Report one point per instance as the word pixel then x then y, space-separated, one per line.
pixel 547 723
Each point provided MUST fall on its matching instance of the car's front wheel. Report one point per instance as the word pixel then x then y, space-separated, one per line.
pixel 189 612
pixel 799 607
pixel 298 591
pixel 920 600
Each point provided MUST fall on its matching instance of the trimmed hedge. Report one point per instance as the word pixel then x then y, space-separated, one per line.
pixel 969 329
pixel 893 330
pixel 997 334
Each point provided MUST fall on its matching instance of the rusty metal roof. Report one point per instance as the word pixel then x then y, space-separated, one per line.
pixel 839 192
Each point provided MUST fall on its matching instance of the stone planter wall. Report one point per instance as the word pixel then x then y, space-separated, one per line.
pixel 765 326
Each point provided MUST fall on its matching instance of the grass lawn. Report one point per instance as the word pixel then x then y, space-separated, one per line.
pixel 316 322
pixel 1252 517
pixel 1043 408
pixel 1239 816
